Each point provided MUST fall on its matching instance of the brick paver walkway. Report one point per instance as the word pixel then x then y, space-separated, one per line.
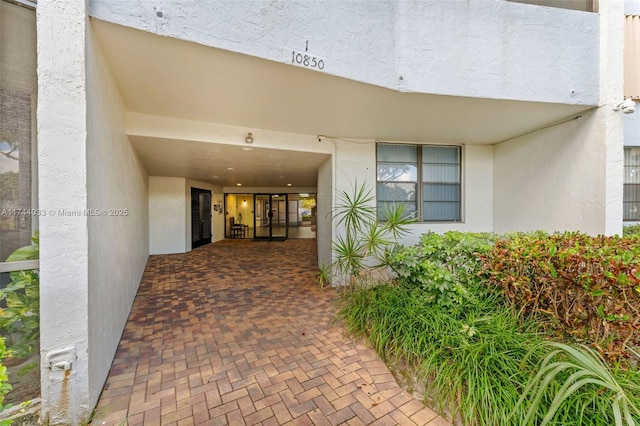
pixel 238 333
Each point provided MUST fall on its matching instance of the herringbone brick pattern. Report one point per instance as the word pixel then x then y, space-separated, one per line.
pixel 238 333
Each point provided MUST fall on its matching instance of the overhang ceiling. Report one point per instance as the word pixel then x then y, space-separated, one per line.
pixel 228 165
pixel 174 78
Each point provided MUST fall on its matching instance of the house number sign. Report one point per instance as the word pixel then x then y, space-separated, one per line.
pixel 306 60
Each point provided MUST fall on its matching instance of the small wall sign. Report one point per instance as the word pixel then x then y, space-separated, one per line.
pixel 306 60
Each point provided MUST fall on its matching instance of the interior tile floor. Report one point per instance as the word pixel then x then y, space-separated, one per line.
pixel 238 333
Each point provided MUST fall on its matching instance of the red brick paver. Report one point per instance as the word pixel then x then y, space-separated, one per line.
pixel 238 333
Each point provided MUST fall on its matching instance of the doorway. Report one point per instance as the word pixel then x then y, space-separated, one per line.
pixel 271 216
pixel 200 217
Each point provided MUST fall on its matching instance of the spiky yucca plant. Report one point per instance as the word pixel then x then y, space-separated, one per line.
pixel 366 239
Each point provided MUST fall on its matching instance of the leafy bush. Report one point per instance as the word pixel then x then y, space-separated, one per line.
pixel 445 267
pixel 20 319
pixel 5 387
pixel 631 230
pixel 586 287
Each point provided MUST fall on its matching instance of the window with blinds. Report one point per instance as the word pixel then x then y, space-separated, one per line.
pixel 631 199
pixel 18 89
pixel 425 178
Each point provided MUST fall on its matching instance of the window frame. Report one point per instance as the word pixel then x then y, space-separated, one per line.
pixel 635 185
pixel 421 184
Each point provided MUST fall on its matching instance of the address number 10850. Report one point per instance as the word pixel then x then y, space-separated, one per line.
pixel 306 60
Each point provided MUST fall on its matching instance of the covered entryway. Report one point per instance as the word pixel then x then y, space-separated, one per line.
pixel 237 332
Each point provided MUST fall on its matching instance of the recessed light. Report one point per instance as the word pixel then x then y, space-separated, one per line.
pixel 238 184
pixel 288 184
pixel 281 177
pixel 216 177
pixel 229 168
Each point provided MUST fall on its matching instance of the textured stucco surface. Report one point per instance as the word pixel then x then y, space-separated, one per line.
pixel 324 202
pixel 167 215
pixel 632 7
pixel 632 129
pixel 117 184
pixel 64 240
pixel 611 92
pixel 475 48
pixel 553 179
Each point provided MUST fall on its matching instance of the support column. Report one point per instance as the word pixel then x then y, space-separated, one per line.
pixel 62 170
pixel 611 93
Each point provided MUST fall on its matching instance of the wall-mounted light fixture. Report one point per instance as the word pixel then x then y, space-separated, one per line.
pixel 249 138
pixel 628 106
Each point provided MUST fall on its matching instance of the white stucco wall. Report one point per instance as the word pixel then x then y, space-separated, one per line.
pixel 167 215
pixel 632 7
pixel 64 240
pixel 324 203
pixel 632 129
pixel 553 180
pixel 498 49
pixel 476 48
pixel 570 176
pixel 170 214
pixel 117 184
pixel 91 259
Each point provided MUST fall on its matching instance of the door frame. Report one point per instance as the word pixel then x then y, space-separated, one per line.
pixel 270 237
pixel 203 215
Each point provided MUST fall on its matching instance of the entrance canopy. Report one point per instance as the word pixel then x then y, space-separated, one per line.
pixel 167 77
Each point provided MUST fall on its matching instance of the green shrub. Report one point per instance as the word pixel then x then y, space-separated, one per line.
pixel 5 387
pixel 586 287
pixel 470 361
pixel 631 230
pixel 482 357
pixel 445 267
pixel 20 319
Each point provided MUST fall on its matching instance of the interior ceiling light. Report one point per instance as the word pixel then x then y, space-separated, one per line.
pixel 288 184
pixel 249 138
pixel 238 184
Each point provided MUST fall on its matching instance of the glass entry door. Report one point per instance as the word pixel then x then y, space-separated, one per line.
pixel 270 216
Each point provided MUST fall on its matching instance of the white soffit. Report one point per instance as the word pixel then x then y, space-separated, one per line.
pixel 228 165
pixel 174 78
